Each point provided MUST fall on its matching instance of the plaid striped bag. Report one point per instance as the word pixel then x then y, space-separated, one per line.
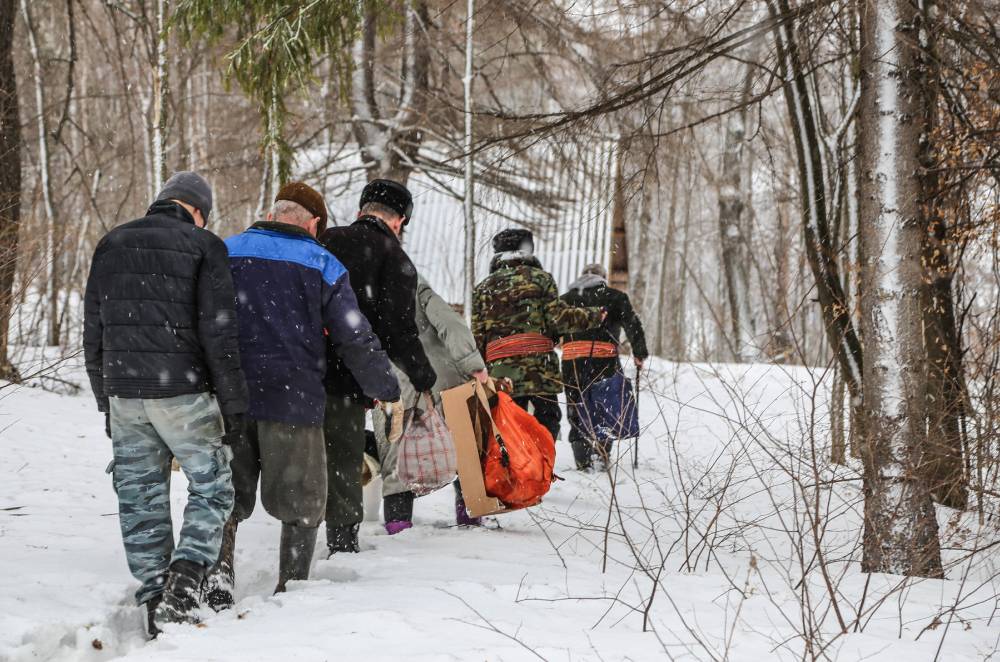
pixel 427 460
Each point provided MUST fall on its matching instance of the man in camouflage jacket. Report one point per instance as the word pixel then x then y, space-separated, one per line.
pixel 516 316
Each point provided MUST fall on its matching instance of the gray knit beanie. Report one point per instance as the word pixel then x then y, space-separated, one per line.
pixel 189 187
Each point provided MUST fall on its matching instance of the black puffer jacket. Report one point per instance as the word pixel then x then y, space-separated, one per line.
pixel 385 282
pixel 621 316
pixel 159 316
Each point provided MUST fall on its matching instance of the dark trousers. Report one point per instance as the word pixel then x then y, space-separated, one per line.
pixel 344 430
pixel 399 506
pixel 584 446
pixel 545 409
pixel 290 462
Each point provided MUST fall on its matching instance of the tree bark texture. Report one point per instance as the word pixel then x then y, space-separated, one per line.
pixel 732 229
pixel 946 395
pixel 390 139
pixel 901 531
pixel 51 252
pixel 10 181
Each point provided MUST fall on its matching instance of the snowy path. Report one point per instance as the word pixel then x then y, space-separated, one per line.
pixel 533 590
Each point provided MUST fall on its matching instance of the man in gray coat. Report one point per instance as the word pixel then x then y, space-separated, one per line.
pixel 452 352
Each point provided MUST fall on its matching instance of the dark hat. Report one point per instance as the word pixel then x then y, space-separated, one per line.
pixel 308 198
pixel 392 194
pixel 514 239
pixel 188 187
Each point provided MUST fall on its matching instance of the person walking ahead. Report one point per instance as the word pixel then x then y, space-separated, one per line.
pixel 452 351
pixel 161 350
pixel 385 283
pixel 592 355
pixel 516 313
pixel 289 291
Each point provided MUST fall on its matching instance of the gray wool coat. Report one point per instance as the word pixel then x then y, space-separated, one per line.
pixel 452 351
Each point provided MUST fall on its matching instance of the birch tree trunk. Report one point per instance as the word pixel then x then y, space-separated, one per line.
pixel 158 165
pixel 51 252
pixel 10 181
pixel 470 225
pixel 901 532
pixel 732 233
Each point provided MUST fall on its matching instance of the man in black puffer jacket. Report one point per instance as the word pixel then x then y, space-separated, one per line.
pixel 162 354
pixel 592 355
pixel 385 282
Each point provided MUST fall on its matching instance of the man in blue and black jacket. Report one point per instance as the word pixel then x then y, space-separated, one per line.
pixel 293 297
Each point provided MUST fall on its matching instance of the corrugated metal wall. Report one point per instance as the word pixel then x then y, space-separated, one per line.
pixel 577 234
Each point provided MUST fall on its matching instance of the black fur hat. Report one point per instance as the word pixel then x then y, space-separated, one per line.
pixel 514 239
pixel 391 194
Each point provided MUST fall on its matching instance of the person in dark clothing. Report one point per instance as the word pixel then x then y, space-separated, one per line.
pixel 290 292
pixel 385 282
pixel 162 354
pixel 592 356
pixel 516 313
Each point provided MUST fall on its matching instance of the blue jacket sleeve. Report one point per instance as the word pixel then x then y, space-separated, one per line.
pixel 356 344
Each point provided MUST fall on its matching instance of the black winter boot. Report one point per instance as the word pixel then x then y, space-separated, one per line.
pixel 151 606
pixel 217 589
pixel 342 539
pixel 180 598
pixel 398 507
pixel 296 553
pixel 583 453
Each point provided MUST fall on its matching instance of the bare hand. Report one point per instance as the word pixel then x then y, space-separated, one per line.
pixel 638 362
pixel 481 375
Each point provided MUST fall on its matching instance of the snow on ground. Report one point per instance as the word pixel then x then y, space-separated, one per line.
pixel 711 515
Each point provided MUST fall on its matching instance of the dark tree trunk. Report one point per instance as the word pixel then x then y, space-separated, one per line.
pixel 10 181
pixel 945 384
pixel 819 240
pixel 390 137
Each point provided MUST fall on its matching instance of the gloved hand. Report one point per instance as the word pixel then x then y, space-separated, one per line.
pixel 107 424
pixel 394 411
pixel 235 425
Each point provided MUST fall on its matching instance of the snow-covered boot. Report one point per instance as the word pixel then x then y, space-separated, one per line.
pixel 217 589
pixel 462 516
pixel 296 554
pixel 180 597
pixel 395 526
pixel 342 539
pixel 151 606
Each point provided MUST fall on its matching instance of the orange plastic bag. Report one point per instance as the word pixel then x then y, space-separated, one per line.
pixel 518 467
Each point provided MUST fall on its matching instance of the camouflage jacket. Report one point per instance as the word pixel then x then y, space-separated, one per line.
pixel 521 297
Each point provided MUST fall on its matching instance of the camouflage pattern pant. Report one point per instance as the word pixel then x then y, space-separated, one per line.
pixel 146 434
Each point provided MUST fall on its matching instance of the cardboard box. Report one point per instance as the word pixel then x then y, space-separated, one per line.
pixel 459 405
